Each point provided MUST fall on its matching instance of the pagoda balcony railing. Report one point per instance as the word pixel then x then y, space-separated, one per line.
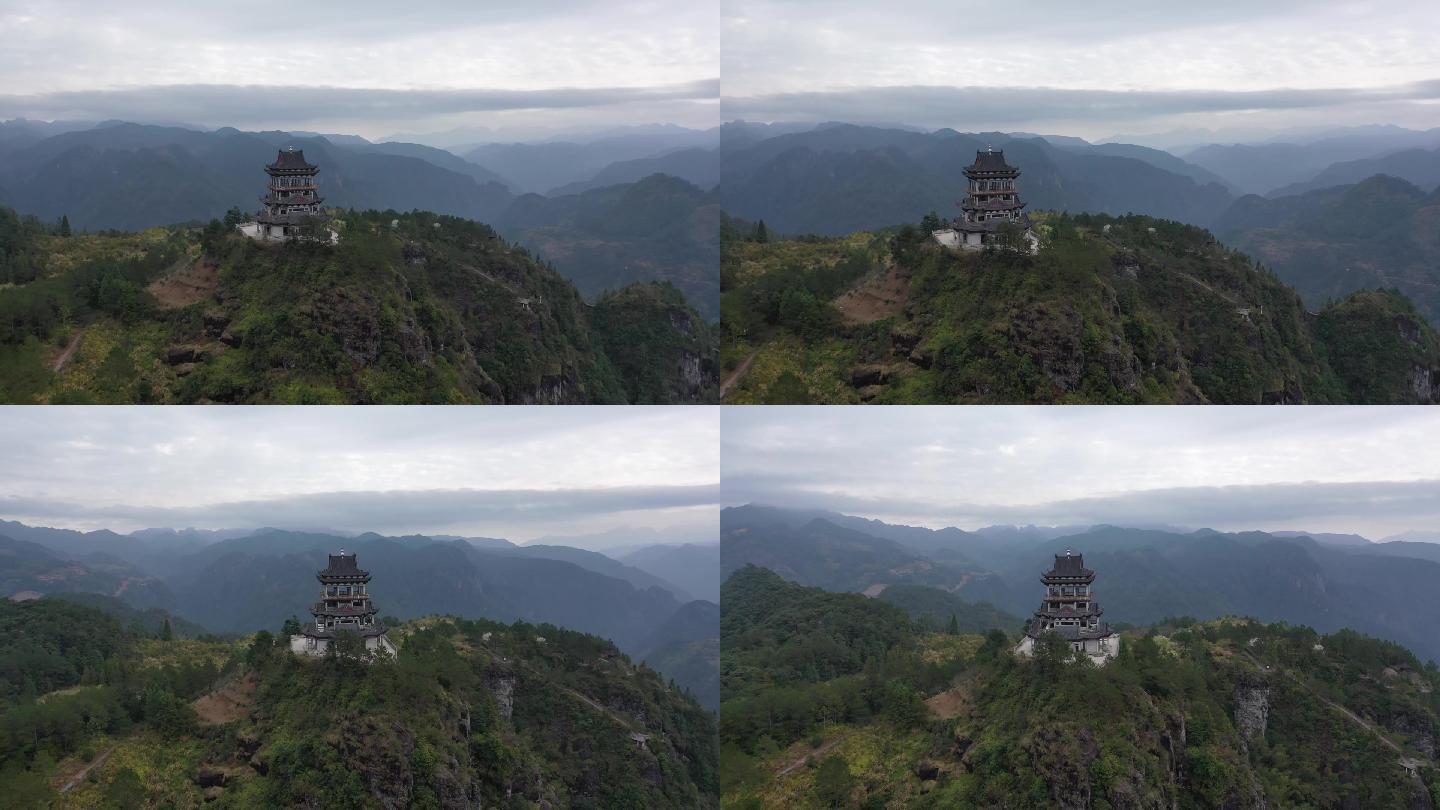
pixel 342 610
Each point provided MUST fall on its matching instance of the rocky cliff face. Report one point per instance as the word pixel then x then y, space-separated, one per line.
pixel 1252 710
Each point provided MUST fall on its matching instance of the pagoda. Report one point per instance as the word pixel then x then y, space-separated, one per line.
pixel 291 199
pixel 991 202
pixel 344 606
pixel 1070 610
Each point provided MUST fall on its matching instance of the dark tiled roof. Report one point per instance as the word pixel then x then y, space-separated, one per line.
pixel 343 565
pixel 291 159
pixel 1070 565
pixel 991 161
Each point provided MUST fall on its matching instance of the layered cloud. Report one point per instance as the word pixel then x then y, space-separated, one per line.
pixel 1363 470
pixel 514 472
pixel 1081 68
pixel 368 68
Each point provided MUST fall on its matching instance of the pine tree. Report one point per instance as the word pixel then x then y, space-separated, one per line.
pixel 64 225
pixel 762 234
pixel 166 633
pixel 954 627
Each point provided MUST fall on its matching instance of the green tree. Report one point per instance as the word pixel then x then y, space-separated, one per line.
pixel 954 627
pixel 787 389
pixel 234 217
pixel 762 234
pixel 166 634
pixel 833 781
pixel 64 225
pixel 291 627
pixel 932 222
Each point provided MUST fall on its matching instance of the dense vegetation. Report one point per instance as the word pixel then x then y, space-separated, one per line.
pixel 469 713
pixel 406 308
pixel 1112 310
pixel 796 658
pixel 1229 713
pixel 71 676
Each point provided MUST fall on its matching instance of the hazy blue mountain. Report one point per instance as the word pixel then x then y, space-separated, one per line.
pixel 686 648
pixel 539 166
pixel 439 157
pixel 694 567
pixel 1379 233
pixel 600 564
pixel 1144 575
pixel 30 568
pixel 844 178
pixel 1418 166
pixel 1262 168
pixel 822 554
pixel 698 167
pixel 133 176
pixel 1158 158
pixel 659 228
pixel 1329 538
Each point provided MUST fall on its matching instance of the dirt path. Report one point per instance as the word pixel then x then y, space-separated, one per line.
pixel 825 748
pixel 737 374
pixel 68 353
pixel 621 721
pixel 85 771
pixel 1362 722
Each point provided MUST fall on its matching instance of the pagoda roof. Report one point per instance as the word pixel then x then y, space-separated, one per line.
pixel 343 565
pixel 989 160
pixel 1070 565
pixel 291 159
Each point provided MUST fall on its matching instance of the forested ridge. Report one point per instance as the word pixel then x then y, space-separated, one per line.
pixel 835 700
pixel 470 713
pixel 1112 309
pixel 406 308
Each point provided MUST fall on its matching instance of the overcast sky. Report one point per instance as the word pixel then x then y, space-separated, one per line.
pixel 517 65
pixel 516 473
pixel 1090 69
pixel 1368 470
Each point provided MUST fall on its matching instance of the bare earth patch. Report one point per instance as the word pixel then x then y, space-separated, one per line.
pixel 876 296
pixel 191 284
pixel 228 703
pixel 948 704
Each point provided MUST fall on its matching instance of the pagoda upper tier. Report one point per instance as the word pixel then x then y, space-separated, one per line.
pixel 291 197
pixel 991 199
pixel 344 606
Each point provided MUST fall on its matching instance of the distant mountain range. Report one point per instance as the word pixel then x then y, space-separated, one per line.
pixel 1381 232
pixel 837 178
pixel 239 584
pixel 841 178
pixel 1384 590
pixel 126 176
